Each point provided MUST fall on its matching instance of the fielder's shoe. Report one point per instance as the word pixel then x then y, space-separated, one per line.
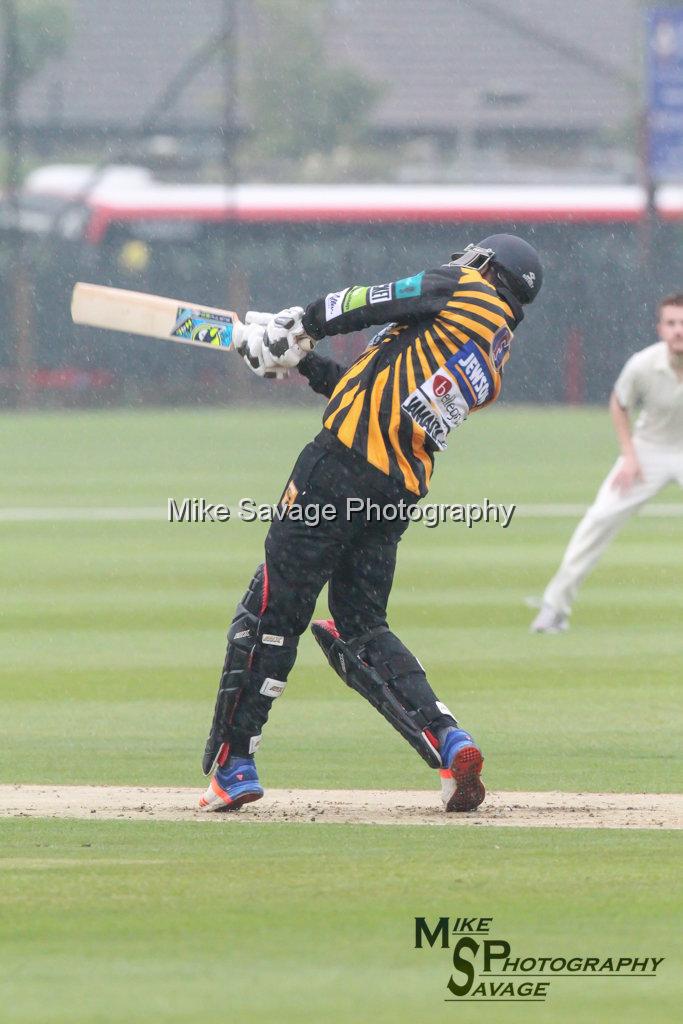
pixel 549 620
pixel 461 787
pixel 233 785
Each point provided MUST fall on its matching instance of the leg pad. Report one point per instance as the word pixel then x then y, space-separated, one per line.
pixel 372 665
pixel 254 674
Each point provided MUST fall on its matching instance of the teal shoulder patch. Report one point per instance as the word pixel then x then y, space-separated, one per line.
pixel 409 287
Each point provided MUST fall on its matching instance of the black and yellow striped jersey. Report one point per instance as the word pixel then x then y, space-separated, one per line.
pixel 440 358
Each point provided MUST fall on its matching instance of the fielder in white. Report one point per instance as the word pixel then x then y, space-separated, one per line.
pixel 651 382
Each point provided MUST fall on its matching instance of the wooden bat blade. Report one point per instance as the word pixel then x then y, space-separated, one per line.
pixel 153 316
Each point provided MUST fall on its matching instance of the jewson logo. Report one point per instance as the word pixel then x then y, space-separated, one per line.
pixel 471 362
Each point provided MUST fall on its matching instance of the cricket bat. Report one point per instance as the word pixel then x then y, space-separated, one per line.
pixel 153 316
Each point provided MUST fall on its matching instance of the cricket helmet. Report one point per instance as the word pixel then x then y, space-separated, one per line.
pixel 515 261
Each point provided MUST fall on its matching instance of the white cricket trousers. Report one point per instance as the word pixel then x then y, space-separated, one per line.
pixel 608 513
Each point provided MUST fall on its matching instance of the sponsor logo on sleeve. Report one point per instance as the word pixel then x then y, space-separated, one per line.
pixel 334 304
pixel 380 293
pixel 409 287
pixel 500 346
pixel 355 298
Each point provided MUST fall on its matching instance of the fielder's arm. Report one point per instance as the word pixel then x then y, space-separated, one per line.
pixel 624 400
pixel 631 470
pixel 622 427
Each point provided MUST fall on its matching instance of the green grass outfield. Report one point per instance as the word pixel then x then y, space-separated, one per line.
pixel 112 636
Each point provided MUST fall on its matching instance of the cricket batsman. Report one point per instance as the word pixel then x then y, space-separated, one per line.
pixel 440 357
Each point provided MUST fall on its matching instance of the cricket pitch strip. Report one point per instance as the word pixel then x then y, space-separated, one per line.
pixel 346 806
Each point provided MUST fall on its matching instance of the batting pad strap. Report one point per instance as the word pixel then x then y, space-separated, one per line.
pixel 272 687
pixel 401 664
pixel 366 680
pixel 272 640
pixel 429 714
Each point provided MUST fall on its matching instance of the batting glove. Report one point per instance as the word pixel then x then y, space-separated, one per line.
pixel 286 339
pixel 253 350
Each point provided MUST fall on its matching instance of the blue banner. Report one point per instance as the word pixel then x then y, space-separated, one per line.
pixel 665 93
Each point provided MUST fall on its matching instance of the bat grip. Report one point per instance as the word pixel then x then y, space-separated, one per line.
pixel 238 331
pixel 303 340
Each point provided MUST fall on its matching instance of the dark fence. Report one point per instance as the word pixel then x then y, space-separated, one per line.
pixel 603 282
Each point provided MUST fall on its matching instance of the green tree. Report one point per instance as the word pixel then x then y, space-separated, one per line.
pixel 300 102
pixel 32 32
pixel 42 31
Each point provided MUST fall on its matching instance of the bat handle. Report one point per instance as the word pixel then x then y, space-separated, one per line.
pixel 238 339
pixel 238 332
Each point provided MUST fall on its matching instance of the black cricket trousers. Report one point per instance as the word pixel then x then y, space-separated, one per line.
pixel 355 553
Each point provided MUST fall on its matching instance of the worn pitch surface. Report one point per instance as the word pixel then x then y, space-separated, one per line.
pixel 334 806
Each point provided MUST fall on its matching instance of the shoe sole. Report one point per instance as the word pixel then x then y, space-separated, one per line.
pixel 240 801
pixel 469 789
pixel 218 799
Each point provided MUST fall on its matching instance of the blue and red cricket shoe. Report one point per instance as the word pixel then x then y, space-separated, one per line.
pixel 234 784
pixel 461 786
pixel 237 782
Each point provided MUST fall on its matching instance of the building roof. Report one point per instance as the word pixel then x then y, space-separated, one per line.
pixel 493 64
pixel 121 57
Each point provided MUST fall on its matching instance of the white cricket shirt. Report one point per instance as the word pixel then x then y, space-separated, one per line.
pixel 649 383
